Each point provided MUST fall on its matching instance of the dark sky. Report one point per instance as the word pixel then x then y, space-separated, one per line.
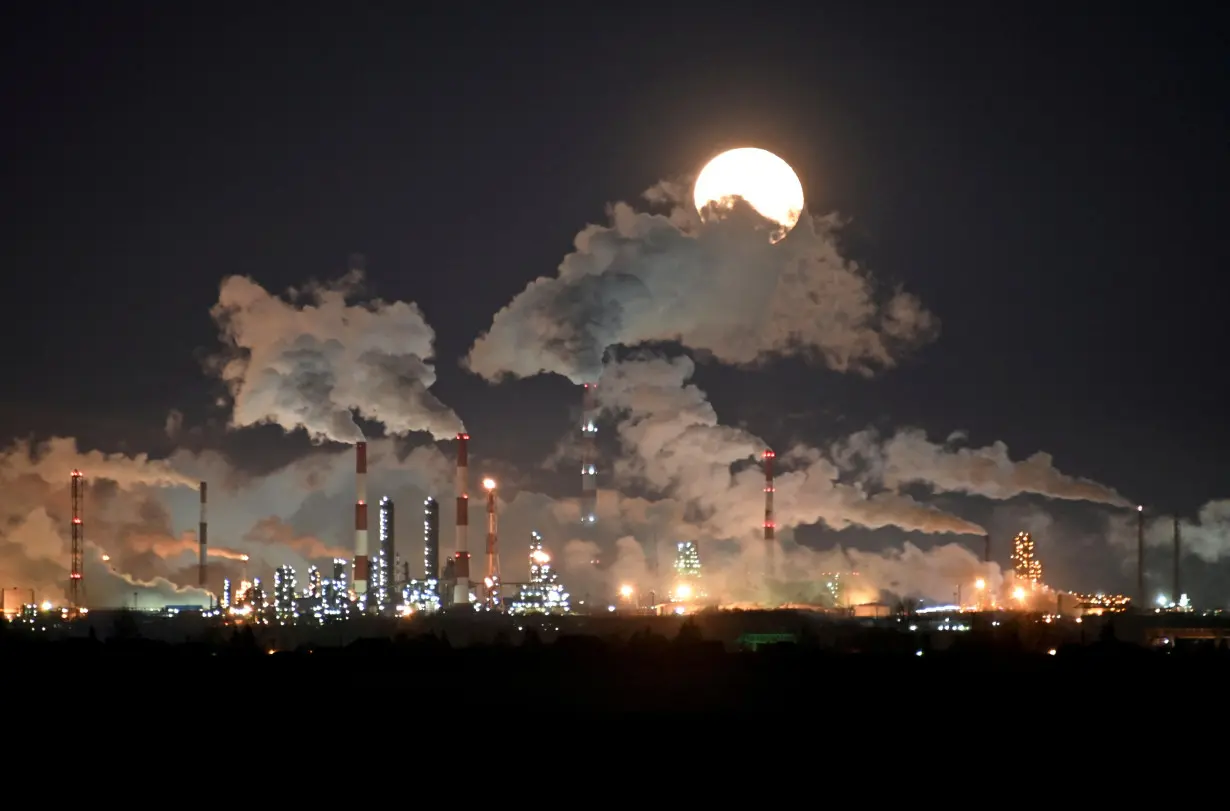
pixel 1053 185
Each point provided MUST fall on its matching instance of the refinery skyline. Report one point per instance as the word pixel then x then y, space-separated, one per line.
pixel 942 346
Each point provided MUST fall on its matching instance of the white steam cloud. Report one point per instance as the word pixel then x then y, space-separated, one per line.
pixel 909 458
pixel 313 363
pixel 676 447
pixel 720 287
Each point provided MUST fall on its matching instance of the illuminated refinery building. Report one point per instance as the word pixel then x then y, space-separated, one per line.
pixel 687 572
pixel 382 574
pixel 285 608
pixel 1025 563
pixel 423 596
pixel 333 601
pixel 543 594
pixel 431 539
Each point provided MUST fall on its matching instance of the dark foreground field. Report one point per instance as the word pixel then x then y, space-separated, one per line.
pixel 590 674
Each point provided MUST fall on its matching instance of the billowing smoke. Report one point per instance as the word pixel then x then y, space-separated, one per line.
pixel 720 287
pixel 1207 537
pixel 676 447
pixel 908 457
pixel 140 517
pixel 312 360
pixel 53 460
pixel 129 540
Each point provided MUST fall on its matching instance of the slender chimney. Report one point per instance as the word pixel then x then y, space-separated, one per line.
pixel 1178 552
pixel 461 558
pixel 986 548
pixel 1140 558
pixel 492 580
pixel 770 524
pixel 203 539
pixel 589 433
pixel 361 563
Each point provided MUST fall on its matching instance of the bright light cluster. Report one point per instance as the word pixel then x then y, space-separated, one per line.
pixel 544 594
pixel 1025 563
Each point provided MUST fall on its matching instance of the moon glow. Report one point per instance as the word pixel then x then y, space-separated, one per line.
pixel 760 178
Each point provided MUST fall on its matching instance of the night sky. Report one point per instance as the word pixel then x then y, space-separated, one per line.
pixel 1051 184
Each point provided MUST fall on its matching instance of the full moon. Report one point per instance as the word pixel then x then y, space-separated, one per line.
pixel 763 180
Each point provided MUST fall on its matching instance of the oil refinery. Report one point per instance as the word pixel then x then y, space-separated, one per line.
pixel 382 583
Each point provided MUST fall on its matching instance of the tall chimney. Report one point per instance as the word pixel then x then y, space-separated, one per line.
pixel 589 433
pixel 770 524
pixel 361 564
pixel 1140 558
pixel 1178 551
pixel 493 546
pixel 986 548
pixel 203 539
pixel 461 558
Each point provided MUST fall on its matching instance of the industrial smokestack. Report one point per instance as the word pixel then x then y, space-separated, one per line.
pixel 1140 558
pixel 1178 551
pixel 203 540
pixel 589 434
pixel 361 564
pixel 986 548
pixel 461 558
pixel 770 524
pixel 75 597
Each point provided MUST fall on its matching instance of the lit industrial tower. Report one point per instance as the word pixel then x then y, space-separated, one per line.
pixel 384 564
pixel 461 558
pixel 361 564
pixel 492 580
pixel 78 544
pixel 687 571
pixel 589 436
pixel 770 524
pixel 1025 564
pixel 431 539
pixel 203 543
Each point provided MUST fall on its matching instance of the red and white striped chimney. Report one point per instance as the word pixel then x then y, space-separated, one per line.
pixel 203 539
pixel 461 557
pixel 770 525
pixel 361 567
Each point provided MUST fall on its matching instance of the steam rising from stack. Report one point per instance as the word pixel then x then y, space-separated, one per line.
pixel 361 564
pixel 461 558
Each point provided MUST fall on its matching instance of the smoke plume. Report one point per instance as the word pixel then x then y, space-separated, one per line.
pixel 312 360
pixel 676 447
pixel 909 458
pixel 720 287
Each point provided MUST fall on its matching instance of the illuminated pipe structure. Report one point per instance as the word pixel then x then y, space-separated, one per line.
pixel 589 433
pixel 362 565
pixel 203 542
pixel 492 581
pixel 770 524
pixel 78 543
pixel 461 557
